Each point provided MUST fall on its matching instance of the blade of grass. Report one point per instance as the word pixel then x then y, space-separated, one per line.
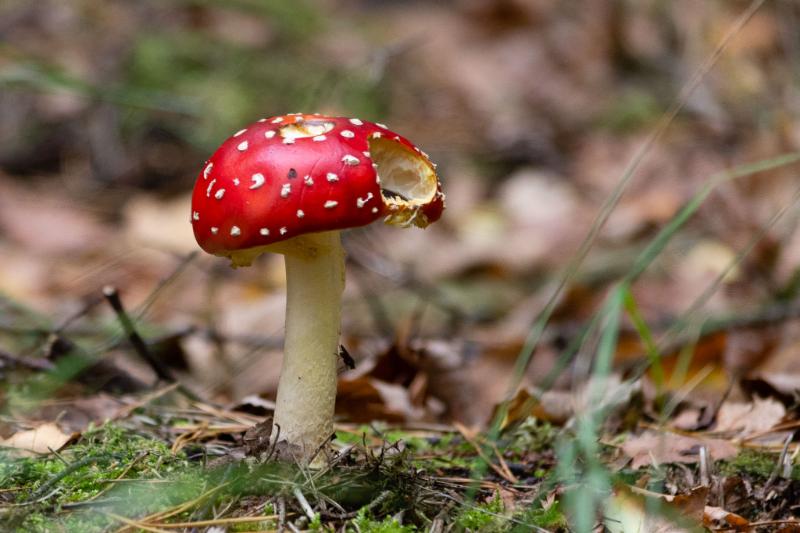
pixel 532 340
pixel 584 500
pixel 646 336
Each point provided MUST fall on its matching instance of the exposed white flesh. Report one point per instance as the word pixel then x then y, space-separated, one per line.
pixel 408 181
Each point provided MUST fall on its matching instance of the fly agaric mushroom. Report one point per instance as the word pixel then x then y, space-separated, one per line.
pixel 288 184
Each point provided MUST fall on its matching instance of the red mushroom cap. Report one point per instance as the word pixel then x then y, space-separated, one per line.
pixel 294 174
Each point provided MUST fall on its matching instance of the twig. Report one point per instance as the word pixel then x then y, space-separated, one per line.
pixel 213 522
pixel 34 363
pixel 133 523
pixel 301 499
pixel 281 514
pixel 504 473
pixel 112 296
pixel 163 373
pixel 379 499
pixel 778 467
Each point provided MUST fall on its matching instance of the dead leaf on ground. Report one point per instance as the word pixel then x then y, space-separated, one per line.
pixel 719 518
pixel 783 387
pixel 745 419
pixel 43 439
pixel 630 509
pixel 652 447
pixel 364 399
pixel 558 407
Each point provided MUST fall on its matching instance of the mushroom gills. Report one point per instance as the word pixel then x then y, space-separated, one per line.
pixel 408 181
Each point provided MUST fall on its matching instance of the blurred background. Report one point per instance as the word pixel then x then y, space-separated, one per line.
pixel 533 110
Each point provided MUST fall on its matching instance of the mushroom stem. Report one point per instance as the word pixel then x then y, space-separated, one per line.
pixel 307 386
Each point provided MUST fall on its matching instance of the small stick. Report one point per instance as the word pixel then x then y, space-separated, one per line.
pixel 112 296
pixel 301 499
pixel 705 474
pixel 281 515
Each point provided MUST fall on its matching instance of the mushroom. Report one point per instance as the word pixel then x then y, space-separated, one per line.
pixel 289 184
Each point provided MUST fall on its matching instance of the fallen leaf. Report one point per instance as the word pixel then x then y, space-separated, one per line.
pixel 634 510
pixel 652 447
pixel 783 387
pixel 719 518
pixel 746 419
pixel 558 407
pixel 43 439
pixel 364 399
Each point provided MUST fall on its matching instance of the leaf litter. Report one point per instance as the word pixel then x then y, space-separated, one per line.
pixel 435 334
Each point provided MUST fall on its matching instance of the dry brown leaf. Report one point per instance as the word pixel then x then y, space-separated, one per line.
pixel 783 387
pixel 651 447
pixel 630 510
pixel 749 418
pixel 558 407
pixel 43 439
pixel 364 399
pixel 59 227
pixel 719 518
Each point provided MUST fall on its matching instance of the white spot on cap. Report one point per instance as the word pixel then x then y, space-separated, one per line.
pixel 318 138
pixel 360 203
pixel 210 186
pixel 347 134
pixel 366 153
pixel 239 132
pixel 425 155
pixel 396 137
pixel 277 119
pixel 258 181
pixel 330 204
pixel 381 125
pixel 236 181
pixel 300 213
pixel 283 230
pixel 207 170
pixel 374 209
pixel 375 135
pixel 350 160
pixel 285 190
pixel 308 180
pixel 235 231
pixel 214 231
pixel 356 122
pixel 330 176
pixel 262 120
pixel 219 194
pixel 269 134
pixel 264 231
pixel 195 216
pixel 288 140
pixel 242 146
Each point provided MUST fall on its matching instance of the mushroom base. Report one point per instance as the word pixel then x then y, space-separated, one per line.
pixel 307 386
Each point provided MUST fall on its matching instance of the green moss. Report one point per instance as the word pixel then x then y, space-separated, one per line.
pixel 363 523
pixel 531 436
pixel 485 517
pixel 91 468
pixel 751 463
pixel 550 518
